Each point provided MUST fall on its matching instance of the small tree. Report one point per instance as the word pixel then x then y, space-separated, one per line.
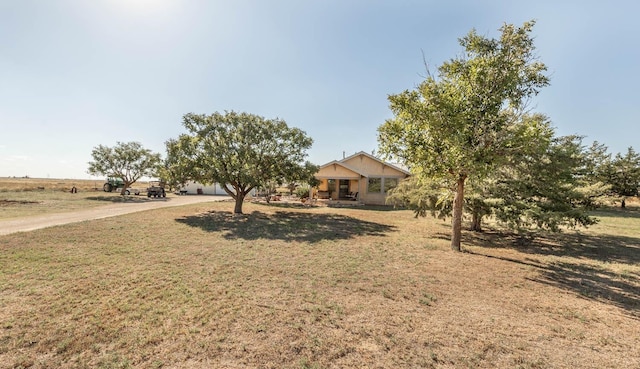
pixel 175 171
pixel 129 161
pixel 459 125
pixel 240 151
pixel 624 175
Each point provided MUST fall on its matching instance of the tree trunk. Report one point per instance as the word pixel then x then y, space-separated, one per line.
pixel 624 203
pixel 476 222
pixel 239 201
pixel 456 224
pixel 125 185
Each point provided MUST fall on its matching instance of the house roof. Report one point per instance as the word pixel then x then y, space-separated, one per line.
pixel 335 162
pixel 373 158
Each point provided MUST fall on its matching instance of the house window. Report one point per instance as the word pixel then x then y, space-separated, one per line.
pixel 390 183
pixel 331 183
pixel 375 185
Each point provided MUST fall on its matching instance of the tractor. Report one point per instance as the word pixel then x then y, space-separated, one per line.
pixel 113 183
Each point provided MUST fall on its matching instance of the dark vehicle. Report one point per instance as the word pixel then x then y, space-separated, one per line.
pixel 156 189
pixel 113 183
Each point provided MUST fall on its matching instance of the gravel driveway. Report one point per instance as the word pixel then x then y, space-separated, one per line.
pixel 37 222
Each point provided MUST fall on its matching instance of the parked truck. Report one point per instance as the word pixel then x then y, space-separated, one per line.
pixel 156 189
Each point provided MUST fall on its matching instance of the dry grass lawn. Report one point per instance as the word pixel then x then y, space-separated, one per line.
pixel 20 197
pixel 291 287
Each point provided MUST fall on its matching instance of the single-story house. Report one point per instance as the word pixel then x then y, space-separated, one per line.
pixel 361 177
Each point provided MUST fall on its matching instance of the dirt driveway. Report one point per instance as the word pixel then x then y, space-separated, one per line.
pixel 37 222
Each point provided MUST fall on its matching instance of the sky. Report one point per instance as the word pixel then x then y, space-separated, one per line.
pixel 75 74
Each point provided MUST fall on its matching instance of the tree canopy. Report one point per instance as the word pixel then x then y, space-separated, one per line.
pixel 240 151
pixel 129 161
pixel 462 122
pixel 544 191
pixel 539 187
pixel 624 175
pixel 617 176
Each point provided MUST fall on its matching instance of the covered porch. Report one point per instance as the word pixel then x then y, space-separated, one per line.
pixel 339 182
pixel 358 179
pixel 339 189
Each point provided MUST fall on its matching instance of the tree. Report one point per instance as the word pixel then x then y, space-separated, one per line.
pixel 597 163
pixel 174 171
pixel 460 124
pixel 129 161
pixel 539 187
pixel 305 176
pixel 595 174
pixel 240 151
pixel 544 191
pixel 624 175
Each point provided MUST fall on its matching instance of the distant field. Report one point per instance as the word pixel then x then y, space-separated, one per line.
pixel 39 184
pixel 32 196
pixel 291 287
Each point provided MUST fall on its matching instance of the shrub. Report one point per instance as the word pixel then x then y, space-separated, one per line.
pixel 302 192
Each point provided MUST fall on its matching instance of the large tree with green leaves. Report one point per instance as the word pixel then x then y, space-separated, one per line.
pixel 539 187
pixel 129 161
pixel 241 151
pixel 461 123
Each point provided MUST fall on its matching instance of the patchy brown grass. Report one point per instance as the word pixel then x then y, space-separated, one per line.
pixel 21 197
pixel 291 287
pixel 8 184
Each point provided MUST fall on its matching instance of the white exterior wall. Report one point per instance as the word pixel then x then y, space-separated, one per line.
pixel 192 188
pixel 214 189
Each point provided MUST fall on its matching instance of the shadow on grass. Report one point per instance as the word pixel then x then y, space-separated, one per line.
pixel 127 198
pixel 283 205
pixel 602 248
pixel 380 208
pixel 300 205
pixel 18 202
pixel 628 212
pixel 286 225
pixel 595 281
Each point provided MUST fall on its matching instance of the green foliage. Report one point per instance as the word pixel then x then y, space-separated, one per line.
pixel 617 177
pixel 173 170
pixel 462 123
pixel 624 175
pixel 240 151
pixel 423 196
pixel 544 191
pixel 537 187
pixel 128 161
pixel 459 122
pixel 302 192
pixel 305 175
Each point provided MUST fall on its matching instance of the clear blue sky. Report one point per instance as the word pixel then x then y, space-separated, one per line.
pixel 75 74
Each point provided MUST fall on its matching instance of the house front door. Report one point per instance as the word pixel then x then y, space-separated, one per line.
pixel 343 189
